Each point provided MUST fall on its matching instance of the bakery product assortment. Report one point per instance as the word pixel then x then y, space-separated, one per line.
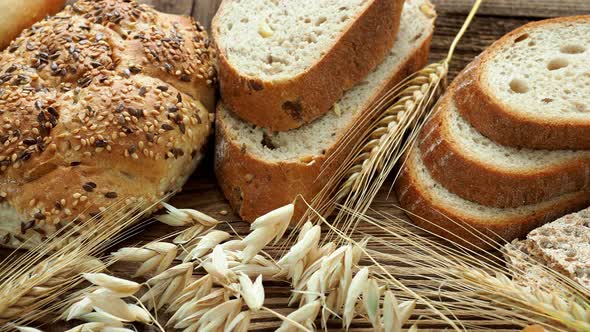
pixel 468 175
pixel 17 15
pixel 105 101
pixel 260 170
pixel 283 64
pixel 562 246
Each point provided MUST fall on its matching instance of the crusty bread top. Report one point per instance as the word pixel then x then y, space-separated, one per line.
pixel 542 70
pixel 278 40
pixel 17 15
pixel 313 139
pixel 99 103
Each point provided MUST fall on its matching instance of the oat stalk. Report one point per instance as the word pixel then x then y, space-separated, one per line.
pixel 32 284
pixel 475 281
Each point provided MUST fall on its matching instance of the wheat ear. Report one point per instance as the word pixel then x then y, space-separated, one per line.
pixel 478 282
pixel 399 113
pixel 33 283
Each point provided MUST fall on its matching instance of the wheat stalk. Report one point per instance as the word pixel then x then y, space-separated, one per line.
pixel 477 282
pixel 399 113
pixel 32 283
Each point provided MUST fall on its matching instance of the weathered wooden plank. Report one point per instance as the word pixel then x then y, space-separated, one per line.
pixel 518 8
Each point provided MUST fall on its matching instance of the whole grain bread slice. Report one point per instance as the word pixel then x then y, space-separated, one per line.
pixel 480 170
pixel 562 245
pixel 259 170
pixel 285 63
pixel 530 88
pixel 435 208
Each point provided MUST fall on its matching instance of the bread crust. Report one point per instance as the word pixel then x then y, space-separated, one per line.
pixel 281 105
pixel 103 107
pixel 17 15
pixel 435 216
pixel 478 181
pixel 494 119
pixel 255 186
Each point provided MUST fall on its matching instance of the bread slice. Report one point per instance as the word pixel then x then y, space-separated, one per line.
pixel 531 87
pixel 456 219
pixel 563 246
pixel 480 170
pixel 284 63
pixel 259 171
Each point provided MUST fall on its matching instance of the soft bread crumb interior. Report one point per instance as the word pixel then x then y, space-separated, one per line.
pixel 314 138
pixel 278 39
pixel 545 71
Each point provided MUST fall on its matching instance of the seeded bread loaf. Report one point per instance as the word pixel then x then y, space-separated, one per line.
pixel 480 170
pixel 530 88
pixel 259 170
pixel 99 103
pixel 563 246
pixel 17 15
pixel 433 207
pixel 284 63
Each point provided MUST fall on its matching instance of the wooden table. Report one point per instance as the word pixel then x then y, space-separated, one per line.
pixel 496 17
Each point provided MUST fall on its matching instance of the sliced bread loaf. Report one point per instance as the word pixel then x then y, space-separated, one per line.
pixel 284 63
pixel 480 170
pixel 259 171
pixel 563 245
pixel 531 87
pixel 433 207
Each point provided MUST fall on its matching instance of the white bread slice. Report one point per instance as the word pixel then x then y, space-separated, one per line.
pixel 259 171
pixel 456 218
pixel 531 87
pixel 284 63
pixel 478 169
pixel 563 246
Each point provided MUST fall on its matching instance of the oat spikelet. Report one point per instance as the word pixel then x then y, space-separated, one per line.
pixel 32 284
pixel 325 277
pixel 166 286
pixel 103 306
pixel 185 217
pixel 155 257
pixel 264 229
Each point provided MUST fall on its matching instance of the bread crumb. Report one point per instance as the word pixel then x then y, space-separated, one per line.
pixel 223 212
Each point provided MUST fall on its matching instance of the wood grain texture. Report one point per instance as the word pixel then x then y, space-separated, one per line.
pixel 518 8
pixel 496 18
